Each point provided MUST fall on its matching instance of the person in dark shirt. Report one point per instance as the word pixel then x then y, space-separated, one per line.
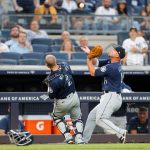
pixel 139 124
pixel 5 125
pixel 111 100
pixel 61 89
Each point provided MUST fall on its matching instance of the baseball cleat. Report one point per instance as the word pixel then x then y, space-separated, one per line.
pixel 70 142
pixel 123 138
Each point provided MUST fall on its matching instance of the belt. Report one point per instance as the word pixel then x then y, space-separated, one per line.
pixel 68 96
pixel 112 91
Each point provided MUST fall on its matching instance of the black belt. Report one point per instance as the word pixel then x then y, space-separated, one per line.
pixel 112 91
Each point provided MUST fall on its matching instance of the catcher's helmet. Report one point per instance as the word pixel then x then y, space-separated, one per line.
pixel 20 138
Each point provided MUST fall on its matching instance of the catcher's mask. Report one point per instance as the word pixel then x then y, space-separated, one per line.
pixel 20 138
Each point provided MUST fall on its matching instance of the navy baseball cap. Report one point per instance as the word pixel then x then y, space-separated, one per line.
pixel 120 50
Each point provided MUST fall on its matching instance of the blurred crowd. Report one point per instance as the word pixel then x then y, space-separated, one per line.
pixel 117 10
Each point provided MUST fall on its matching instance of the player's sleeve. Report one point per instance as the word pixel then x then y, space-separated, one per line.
pixel 102 71
pixel 132 125
pixel 103 62
pixel 54 87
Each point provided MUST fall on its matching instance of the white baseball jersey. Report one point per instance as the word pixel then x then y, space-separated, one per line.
pixel 135 58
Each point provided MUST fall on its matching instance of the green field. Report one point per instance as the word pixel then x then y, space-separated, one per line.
pixel 78 147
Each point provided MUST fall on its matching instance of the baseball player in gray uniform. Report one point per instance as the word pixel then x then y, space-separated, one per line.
pixel 61 88
pixel 111 100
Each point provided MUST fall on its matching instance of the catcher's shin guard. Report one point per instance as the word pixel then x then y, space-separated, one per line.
pixel 78 125
pixel 63 128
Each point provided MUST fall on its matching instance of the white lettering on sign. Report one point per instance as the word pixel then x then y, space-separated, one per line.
pixel 40 125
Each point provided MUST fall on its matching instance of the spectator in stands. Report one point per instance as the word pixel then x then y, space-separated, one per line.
pixel 34 31
pixel 47 8
pixel 122 8
pixel 14 33
pixel 106 18
pixel 25 6
pixel 3 17
pixel 5 124
pixel 79 21
pixel 3 47
pixel 139 124
pixel 136 48
pixel 83 42
pixel 67 45
pixel 69 5
pixel 136 6
pixel 147 9
pixel 144 21
pixel 60 10
pixel 23 46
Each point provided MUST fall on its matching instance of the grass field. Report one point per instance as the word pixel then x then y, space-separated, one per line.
pixel 78 147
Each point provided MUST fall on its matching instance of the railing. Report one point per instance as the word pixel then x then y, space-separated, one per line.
pixel 78 24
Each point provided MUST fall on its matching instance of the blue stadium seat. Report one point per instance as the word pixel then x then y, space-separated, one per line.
pixel 40 48
pixel 59 56
pixel 121 36
pixel 10 55
pixel 78 55
pixel 32 56
pixel 77 62
pixel 44 41
pixel 30 62
pixel 55 48
pixel 8 62
pixel 5 34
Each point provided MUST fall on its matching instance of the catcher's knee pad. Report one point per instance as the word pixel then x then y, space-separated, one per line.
pixel 78 125
pixel 60 124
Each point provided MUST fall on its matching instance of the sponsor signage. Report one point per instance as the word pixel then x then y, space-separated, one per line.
pixel 83 96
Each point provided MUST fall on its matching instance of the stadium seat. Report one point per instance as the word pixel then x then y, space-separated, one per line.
pixel 44 41
pixel 55 48
pixel 59 56
pixel 5 34
pixel 8 62
pixel 40 48
pixel 78 55
pixel 10 55
pixel 32 56
pixel 121 36
pixel 77 62
pixel 30 62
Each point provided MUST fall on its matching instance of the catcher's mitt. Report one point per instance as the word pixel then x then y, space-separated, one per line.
pixel 95 52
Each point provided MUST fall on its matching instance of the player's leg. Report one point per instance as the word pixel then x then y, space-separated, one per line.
pixel 75 114
pixel 109 103
pixel 58 117
pixel 90 125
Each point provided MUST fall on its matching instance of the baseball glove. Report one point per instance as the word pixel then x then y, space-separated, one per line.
pixel 95 52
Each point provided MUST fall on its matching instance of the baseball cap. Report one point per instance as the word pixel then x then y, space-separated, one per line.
pixel 120 50
pixel 133 28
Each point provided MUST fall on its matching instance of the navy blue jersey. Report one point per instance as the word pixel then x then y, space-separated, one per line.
pixel 5 124
pixel 134 124
pixel 112 74
pixel 61 82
